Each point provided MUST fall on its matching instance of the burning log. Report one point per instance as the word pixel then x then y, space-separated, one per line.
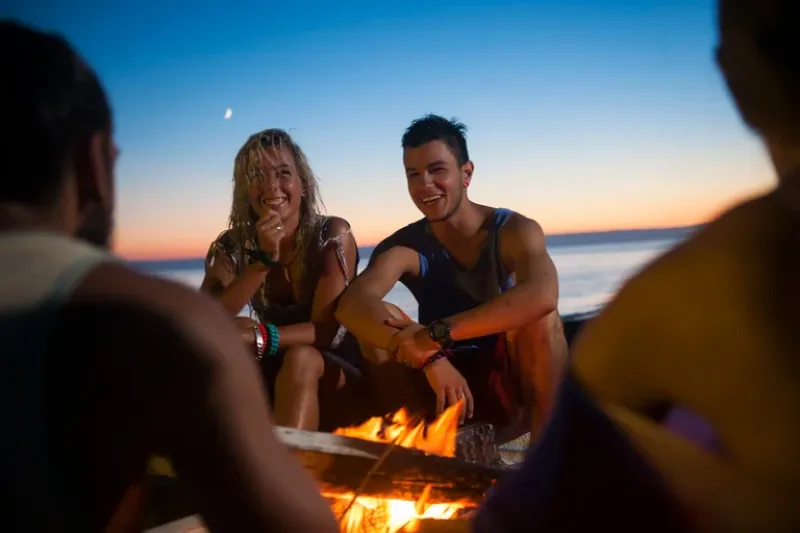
pixel 340 464
pixel 382 474
pixel 437 526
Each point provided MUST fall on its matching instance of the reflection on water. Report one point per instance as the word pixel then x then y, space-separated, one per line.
pixel 589 275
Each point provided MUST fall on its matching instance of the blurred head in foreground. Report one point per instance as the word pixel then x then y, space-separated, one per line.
pixel 759 55
pixel 56 140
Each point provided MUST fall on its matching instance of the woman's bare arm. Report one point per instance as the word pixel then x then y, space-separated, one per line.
pixel 322 328
pixel 221 281
pixel 332 282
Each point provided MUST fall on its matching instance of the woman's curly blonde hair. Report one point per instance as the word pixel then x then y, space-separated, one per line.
pixel 247 169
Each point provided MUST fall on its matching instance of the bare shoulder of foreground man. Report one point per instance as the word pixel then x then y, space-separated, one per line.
pixel 102 366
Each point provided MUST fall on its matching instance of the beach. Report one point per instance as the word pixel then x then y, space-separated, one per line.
pixel 591 266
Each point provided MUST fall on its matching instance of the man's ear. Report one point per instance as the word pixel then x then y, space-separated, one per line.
pixel 466 173
pixel 94 164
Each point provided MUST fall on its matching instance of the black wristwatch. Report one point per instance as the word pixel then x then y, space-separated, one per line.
pixel 439 331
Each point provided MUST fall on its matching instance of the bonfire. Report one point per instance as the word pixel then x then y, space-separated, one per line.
pixel 361 514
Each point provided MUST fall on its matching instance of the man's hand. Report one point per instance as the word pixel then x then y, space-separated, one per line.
pixel 450 387
pixel 411 345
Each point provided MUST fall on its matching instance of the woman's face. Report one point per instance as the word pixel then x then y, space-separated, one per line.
pixel 278 186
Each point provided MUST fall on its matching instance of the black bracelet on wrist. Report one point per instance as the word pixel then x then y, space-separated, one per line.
pixel 263 257
pixel 432 359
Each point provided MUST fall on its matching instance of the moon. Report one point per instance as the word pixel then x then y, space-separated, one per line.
pixel 228 113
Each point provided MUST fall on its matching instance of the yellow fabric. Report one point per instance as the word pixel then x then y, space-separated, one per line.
pixel 160 466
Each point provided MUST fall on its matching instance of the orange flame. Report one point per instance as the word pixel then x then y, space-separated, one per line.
pixel 384 515
pixel 438 437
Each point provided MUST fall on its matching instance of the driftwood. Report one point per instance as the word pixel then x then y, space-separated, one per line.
pixel 340 464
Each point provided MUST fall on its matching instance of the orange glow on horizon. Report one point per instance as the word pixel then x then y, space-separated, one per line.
pixel 161 251
pixel 177 241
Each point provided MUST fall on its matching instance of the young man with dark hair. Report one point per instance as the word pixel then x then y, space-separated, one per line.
pixel 487 292
pixel 102 366
pixel 711 327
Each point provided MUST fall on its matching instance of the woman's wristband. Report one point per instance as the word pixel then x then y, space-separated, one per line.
pixel 261 340
pixel 274 339
pixel 263 258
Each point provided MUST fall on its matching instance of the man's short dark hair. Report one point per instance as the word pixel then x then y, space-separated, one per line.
pixel 50 103
pixel 760 55
pixel 435 128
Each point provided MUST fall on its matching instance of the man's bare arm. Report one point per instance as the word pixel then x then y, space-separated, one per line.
pixel 361 309
pixel 208 412
pixel 522 244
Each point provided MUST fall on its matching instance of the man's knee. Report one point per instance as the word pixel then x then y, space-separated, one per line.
pixel 396 312
pixel 378 356
pixel 542 338
pixel 302 365
pixel 547 331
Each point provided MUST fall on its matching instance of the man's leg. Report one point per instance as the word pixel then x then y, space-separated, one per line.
pixel 394 385
pixel 539 353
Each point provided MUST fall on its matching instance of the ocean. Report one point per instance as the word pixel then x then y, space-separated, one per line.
pixel 591 266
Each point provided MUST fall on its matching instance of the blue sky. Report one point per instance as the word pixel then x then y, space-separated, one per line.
pixel 581 114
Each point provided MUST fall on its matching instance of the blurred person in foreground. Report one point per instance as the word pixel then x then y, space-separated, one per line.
pixel 711 327
pixel 103 366
pixel 289 263
pixel 487 292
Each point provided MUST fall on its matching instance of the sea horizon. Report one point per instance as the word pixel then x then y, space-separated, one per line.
pixel 556 240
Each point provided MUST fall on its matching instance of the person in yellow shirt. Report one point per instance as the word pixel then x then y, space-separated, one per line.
pixel 711 328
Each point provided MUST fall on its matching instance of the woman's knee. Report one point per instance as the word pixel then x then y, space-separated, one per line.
pixel 302 365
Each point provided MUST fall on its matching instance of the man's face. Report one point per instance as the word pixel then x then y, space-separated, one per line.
pixel 436 182
pixel 97 217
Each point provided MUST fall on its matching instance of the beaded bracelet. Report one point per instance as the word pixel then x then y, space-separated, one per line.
pixel 260 334
pixel 274 340
pixel 432 359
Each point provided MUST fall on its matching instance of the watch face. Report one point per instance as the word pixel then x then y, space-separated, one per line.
pixel 439 331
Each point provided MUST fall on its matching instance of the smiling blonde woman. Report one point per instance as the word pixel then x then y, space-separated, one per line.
pixel 289 263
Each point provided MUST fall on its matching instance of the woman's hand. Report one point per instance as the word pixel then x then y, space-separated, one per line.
pixel 270 231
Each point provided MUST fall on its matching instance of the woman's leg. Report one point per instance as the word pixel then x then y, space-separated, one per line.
pixel 297 387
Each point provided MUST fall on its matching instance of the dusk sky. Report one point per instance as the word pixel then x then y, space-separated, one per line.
pixel 584 115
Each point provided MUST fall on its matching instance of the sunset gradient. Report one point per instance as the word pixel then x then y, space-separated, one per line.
pixel 583 114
